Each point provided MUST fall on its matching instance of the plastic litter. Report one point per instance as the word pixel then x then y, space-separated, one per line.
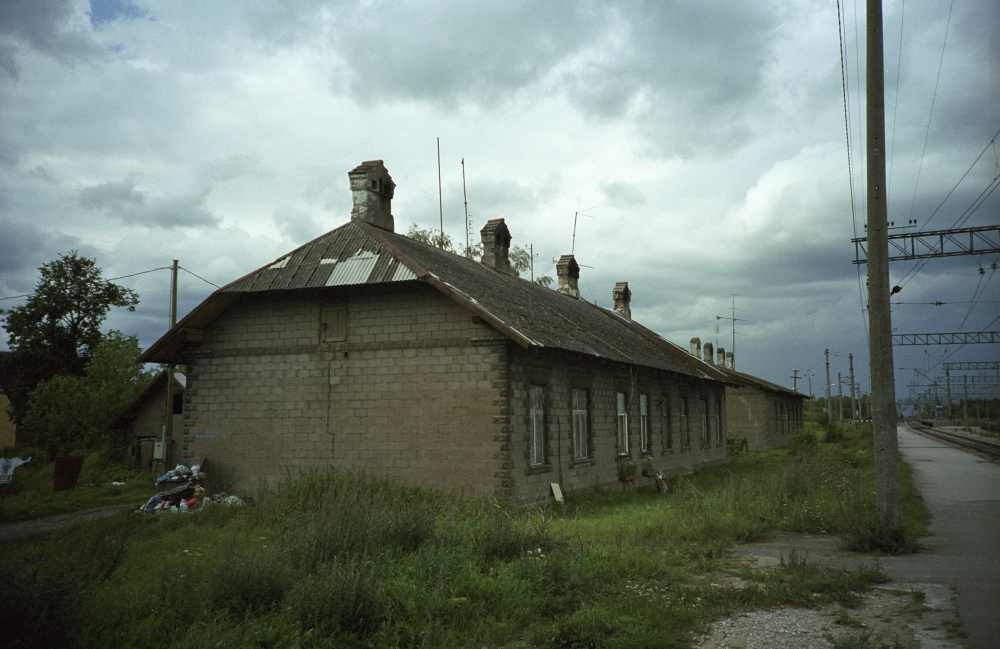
pixel 7 466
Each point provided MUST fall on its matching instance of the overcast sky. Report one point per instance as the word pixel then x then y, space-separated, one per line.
pixel 704 142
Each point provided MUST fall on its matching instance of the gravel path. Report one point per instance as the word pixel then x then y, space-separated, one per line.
pixel 19 530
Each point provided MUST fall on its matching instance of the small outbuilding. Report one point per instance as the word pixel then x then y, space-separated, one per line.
pixel 142 423
pixel 760 415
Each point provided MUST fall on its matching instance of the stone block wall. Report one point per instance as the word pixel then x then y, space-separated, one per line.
pixel 765 419
pixel 414 389
pixel 558 373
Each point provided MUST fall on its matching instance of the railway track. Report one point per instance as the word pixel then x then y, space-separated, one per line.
pixel 991 450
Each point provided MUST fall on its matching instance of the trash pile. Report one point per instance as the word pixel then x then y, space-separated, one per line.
pixel 182 491
pixel 7 466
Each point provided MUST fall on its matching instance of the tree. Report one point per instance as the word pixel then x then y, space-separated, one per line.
pixel 70 413
pixel 520 258
pixel 56 331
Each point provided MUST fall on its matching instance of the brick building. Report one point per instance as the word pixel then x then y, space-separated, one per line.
pixel 758 412
pixel 366 349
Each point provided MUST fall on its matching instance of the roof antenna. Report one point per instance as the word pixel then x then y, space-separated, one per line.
pixel 465 197
pixel 572 246
pixel 440 204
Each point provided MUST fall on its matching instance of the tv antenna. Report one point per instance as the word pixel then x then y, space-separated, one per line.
pixel 731 317
pixel 576 215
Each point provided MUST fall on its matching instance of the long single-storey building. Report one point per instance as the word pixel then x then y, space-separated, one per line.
pixel 760 415
pixel 365 349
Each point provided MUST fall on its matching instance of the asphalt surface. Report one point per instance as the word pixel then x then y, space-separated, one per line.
pixel 962 492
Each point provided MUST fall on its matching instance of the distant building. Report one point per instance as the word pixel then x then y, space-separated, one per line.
pixel 365 349
pixel 761 413
pixel 142 422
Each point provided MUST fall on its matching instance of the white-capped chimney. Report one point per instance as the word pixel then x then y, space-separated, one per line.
pixel 496 246
pixel 709 351
pixel 696 347
pixel 730 360
pixel 372 189
pixel 568 273
pixel 623 300
pixel 720 356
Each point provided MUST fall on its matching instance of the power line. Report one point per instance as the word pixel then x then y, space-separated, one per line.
pixel 930 114
pixel 895 97
pixel 110 279
pixel 194 274
pixel 850 164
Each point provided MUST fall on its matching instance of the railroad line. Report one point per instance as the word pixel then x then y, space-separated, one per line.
pixel 986 448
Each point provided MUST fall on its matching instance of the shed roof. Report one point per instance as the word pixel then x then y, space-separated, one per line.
pixel 757 382
pixel 533 316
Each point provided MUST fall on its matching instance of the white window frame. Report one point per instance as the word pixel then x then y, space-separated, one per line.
pixel 644 423
pixel 668 425
pixel 621 417
pixel 581 433
pixel 536 424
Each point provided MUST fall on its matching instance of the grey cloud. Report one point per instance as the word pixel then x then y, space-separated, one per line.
pixel 456 52
pixel 622 194
pixel 43 25
pixel 123 201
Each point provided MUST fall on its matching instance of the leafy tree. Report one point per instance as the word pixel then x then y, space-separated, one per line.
pixel 520 258
pixel 68 413
pixel 56 331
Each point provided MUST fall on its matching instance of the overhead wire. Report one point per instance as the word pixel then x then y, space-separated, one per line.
pixel 930 114
pixel 847 139
pixel 110 279
pixel 895 96
pixel 190 272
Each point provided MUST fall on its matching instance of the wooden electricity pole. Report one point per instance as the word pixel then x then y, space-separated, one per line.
pixel 829 404
pixel 168 407
pixel 883 399
pixel 854 403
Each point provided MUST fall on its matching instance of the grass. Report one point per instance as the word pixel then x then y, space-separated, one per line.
pixel 342 560
pixel 32 495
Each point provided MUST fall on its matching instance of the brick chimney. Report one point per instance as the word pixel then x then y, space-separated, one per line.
pixel 696 347
pixel 730 360
pixel 623 300
pixel 568 272
pixel 709 353
pixel 496 246
pixel 720 356
pixel 371 190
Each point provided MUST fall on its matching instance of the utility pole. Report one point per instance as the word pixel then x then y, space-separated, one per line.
pixel 440 202
pixel 531 256
pixel 840 397
pixel 809 377
pixel 465 199
pixel 167 429
pixel 795 378
pixel 880 321
pixel 965 401
pixel 854 403
pixel 829 405
pixel 947 391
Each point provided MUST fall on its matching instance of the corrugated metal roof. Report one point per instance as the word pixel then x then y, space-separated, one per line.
pixel 349 255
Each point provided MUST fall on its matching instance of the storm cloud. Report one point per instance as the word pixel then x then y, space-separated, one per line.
pixel 703 145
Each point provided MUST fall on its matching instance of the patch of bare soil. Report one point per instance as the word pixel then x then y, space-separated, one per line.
pixel 892 616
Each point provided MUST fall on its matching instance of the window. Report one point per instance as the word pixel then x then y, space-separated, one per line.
pixel 644 423
pixel 718 421
pixel 581 433
pixel 686 424
pixel 537 424
pixel 622 410
pixel 705 431
pixel 666 424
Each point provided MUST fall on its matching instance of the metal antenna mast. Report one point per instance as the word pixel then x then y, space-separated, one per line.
pixel 465 198
pixel 440 203
pixel 734 319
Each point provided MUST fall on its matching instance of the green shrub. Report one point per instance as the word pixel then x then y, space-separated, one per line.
pixel 345 598
pixel 245 583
